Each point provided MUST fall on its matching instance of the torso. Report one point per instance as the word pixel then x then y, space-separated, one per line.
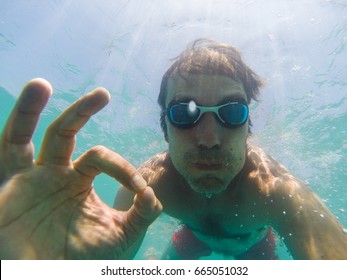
pixel 231 222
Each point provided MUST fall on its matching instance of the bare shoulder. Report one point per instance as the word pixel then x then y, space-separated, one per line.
pixel 270 176
pixel 276 183
pixel 155 167
pixel 307 226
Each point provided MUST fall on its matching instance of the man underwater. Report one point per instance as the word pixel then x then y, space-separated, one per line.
pixel 227 193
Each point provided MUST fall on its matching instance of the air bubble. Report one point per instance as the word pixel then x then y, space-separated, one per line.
pixel 284 213
pixel 344 230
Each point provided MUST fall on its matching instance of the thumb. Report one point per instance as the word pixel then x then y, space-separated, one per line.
pixel 145 210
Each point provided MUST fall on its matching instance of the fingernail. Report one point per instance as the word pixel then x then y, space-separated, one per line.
pixel 138 182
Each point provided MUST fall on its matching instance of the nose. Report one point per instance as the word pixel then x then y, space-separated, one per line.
pixel 208 132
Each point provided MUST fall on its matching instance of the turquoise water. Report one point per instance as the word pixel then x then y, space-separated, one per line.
pixel 299 47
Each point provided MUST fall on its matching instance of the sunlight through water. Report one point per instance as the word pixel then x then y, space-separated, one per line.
pixel 298 47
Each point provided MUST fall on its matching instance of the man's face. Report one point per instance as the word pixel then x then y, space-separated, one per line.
pixel 208 155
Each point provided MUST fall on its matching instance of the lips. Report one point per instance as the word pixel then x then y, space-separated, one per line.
pixel 209 166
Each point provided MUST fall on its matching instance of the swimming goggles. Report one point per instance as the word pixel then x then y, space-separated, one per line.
pixel 188 114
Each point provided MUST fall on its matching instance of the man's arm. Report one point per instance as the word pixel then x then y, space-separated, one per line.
pixel 307 226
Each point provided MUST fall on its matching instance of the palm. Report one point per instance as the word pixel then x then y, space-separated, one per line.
pixel 60 218
pixel 49 209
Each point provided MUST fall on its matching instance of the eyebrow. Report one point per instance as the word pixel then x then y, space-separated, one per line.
pixel 239 98
pixel 178 99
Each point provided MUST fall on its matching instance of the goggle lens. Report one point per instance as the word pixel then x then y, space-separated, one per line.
pixel 185 115
pixel 234 114
pixel 182 114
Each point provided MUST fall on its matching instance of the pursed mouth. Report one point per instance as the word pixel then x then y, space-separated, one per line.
pixel 209 166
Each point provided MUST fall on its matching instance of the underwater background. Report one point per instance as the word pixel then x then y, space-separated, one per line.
pixel 298 47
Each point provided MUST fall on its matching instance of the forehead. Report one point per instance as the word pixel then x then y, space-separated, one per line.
pixel 207 90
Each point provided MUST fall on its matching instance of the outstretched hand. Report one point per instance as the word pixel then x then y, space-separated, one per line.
pixel 48 206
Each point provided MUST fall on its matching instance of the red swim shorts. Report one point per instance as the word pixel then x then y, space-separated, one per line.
pixel 189 247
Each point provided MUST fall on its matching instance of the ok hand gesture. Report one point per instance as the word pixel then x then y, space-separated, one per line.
pixel 48 206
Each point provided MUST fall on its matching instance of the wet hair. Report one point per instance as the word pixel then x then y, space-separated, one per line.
pixel 205 56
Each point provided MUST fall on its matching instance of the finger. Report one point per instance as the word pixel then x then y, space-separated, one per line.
pixel 145 210
pixel 59 141
pixel 102 160
pixel 16 147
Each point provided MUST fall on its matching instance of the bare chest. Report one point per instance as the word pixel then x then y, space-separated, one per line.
pixel 223 222
pixel 228 227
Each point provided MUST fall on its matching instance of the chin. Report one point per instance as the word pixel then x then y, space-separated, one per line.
pixel 211 185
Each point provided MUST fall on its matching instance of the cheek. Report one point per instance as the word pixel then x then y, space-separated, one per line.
pixel 236 144
pixel 179 138
pixel 237 138
pixel 178 146
pixel 180 143
pixel 175 141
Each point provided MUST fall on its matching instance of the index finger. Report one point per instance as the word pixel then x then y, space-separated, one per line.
pixel 60 138
pixel 100 159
